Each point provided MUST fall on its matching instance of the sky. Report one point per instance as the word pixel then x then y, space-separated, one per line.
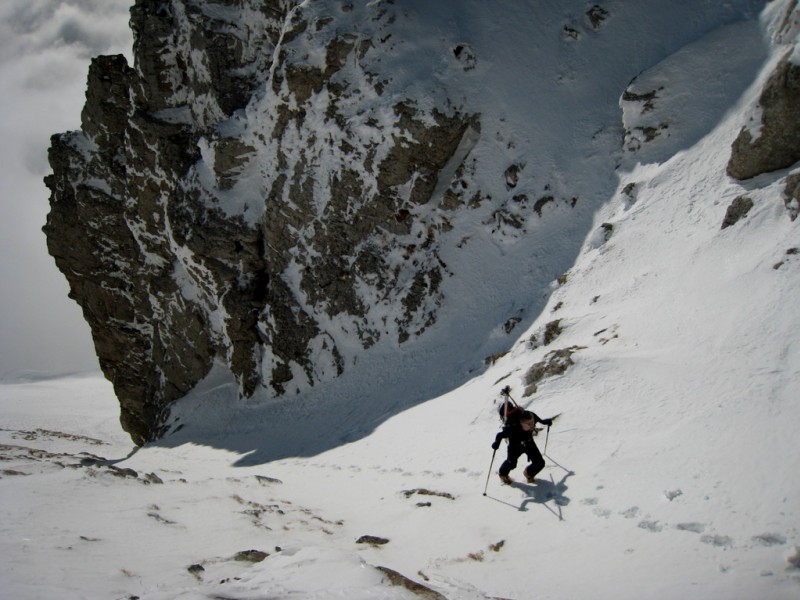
pixel 45 50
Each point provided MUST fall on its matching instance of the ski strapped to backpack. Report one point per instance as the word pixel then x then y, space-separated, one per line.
pixel 509 407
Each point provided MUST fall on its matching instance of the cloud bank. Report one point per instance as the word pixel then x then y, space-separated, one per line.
pixel 45 50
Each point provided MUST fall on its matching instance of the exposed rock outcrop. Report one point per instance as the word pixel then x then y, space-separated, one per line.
pixel 240 196
pixel 775 142
pixel 276 187
pixel 737 210
pixel 791 195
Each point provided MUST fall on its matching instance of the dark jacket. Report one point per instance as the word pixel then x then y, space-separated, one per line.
pixel 516 435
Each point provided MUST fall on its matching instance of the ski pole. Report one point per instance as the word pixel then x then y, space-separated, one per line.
pixel 546 438
pixel 491 464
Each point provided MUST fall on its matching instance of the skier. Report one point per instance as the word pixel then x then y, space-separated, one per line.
pixel 519 429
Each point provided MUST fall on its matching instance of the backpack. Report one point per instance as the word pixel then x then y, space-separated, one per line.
pixel 509 410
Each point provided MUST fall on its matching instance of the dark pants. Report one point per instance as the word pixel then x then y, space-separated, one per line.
pixel 515 451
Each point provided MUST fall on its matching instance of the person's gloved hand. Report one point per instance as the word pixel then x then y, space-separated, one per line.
pixel 495 445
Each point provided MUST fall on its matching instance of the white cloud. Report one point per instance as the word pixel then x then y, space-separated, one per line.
pixel 45 50
pixel 88 27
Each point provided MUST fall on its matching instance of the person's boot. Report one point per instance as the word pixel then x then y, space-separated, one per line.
pixel 528 476
pixel 506 479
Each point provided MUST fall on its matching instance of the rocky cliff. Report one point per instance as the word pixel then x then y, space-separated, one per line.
pixel 268 189
pixel 242 184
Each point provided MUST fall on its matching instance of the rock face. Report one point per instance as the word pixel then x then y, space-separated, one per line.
pixel 776 144
pixel 737 210
pixel 276 188
pixel 244 195
pixel 791 195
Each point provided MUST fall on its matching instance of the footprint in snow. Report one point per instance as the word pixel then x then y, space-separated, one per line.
pixel 433 473
pixel 720 541
pixel 599 511
pixel 769 539
pixel 470 474
pixel 692 527
pixel 652 526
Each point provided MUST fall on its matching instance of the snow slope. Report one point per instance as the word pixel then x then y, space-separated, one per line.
pixel 672 470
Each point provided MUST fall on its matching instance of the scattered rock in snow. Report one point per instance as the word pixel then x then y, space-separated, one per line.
pixel 512 175
pixel 570 33
pixel 647 99
pixel 555 362
pixel 86 538
pixel 552 330
pixel 610 332
pixel 49 433
pixel 511 323
pixel 789 252
pixel 153 478
pixel 597 16
pixel 630 192
pixel 791 194
pixel 490 360
pixel 264 480
pixel 418 589
pixel 196 570
pixel 672 494
pixel 426 492
pixel 546 335
pixel 737 210
pixel 155 515
pixel 466 56
pixel 541 202
pixel 124 472
pixel 794 559
pixel 600 236
pixel 638 136
pixel 12 472
pixel 372 540
pixel 252 556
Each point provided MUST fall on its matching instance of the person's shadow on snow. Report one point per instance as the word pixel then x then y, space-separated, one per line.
pixel 546 491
